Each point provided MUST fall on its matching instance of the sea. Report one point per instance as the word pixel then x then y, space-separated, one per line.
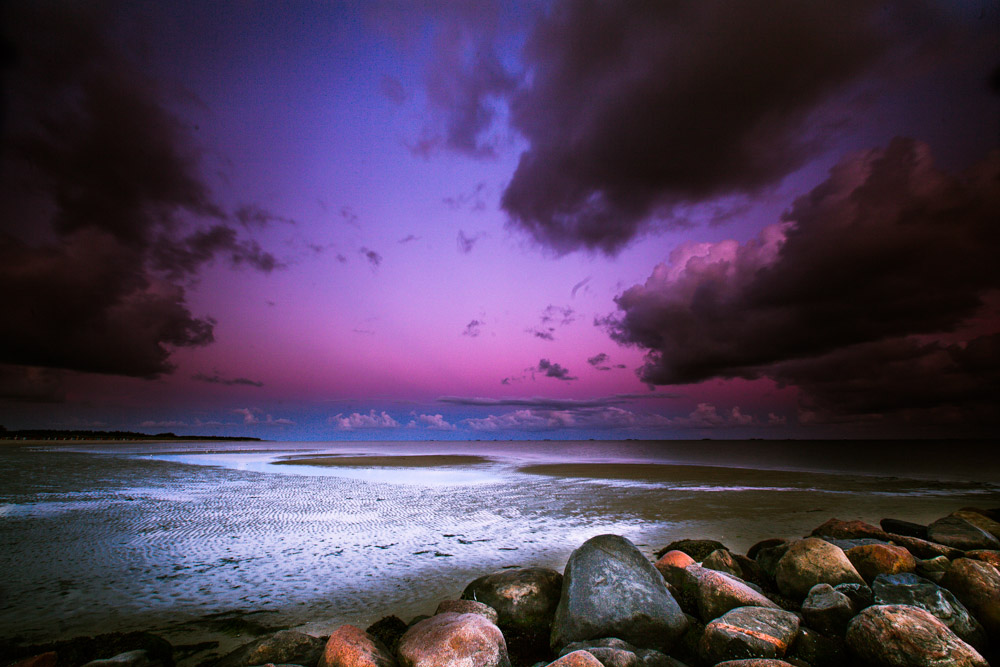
pixel 184 537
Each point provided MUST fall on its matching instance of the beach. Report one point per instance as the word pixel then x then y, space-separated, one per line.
pixel 197 541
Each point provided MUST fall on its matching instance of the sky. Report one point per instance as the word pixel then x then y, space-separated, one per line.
pixel 499 220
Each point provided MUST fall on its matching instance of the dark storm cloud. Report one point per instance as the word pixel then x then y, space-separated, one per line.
pixel 229 382
pixel 472 329
pixel 103 210
pixel 89 305
pixel 554 370
pixel 543 334
pixel 637 106
pixel 30 384
pixel 888 247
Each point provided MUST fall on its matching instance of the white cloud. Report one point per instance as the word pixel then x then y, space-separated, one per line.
pixel 358 420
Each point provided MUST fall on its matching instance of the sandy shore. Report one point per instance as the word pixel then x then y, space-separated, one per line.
pixel 414 461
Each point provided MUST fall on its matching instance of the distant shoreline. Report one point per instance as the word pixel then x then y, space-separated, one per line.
pixel 54 435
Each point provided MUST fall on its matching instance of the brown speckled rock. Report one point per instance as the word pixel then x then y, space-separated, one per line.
pixel 985 555
pixel 977 586
pixel 721 560
pixel 285 647
pixel 719 592
pixel 349 646
pixel 875 559
pixel 450 640
pixel 849 530
pixel 980 521
pixel 813 561
pixel 673 559
pixel 905 635
pixel 956 532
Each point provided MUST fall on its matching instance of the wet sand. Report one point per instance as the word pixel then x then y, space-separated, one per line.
pixel 413 461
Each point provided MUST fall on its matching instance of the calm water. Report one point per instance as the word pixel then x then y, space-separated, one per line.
pixel 161 536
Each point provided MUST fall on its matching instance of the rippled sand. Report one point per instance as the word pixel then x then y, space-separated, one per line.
pixel 415 461
pixel 99 541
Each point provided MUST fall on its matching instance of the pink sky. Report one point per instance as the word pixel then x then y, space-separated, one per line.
pixel 430 221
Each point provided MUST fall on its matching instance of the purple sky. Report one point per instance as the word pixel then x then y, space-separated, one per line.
pixel 365 220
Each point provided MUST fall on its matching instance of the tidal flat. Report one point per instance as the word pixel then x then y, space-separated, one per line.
pixel 203 541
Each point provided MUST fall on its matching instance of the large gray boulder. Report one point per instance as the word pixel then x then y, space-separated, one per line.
pixel 919 592
pixel 611 590
pixel 450 639
pixel 906 635
pixel 827 610
pixel 749 632
pixel 613 652
pixel 525 598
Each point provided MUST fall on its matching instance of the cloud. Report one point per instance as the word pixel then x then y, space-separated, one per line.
pixel 706 415
pixel 229 382
pixel 553 403
pixel 633 108
pixel 534 419
pixel 543 334
pixel 599 361
pixel 466 243
pixel 436 422
pixel 580 285
pixel 30 384
pixel 373 257
pixel 104 214
pixel 252 215
pixel 475 198
pixel 563 314
pixel 472 329
pixel 256 417
pixel 863 278
pixel 356 420
pixel 409 238
pixel 465 79
pixel 554 370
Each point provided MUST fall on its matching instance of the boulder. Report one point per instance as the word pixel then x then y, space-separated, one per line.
pixel 719 592
pixel 349 646
pixel 673 559
pixel 813 561
pixel 905 635
pixel 697 549
pixel 980 521
pixel 525 598
pixel 613 652
pixel 849 530
pixel 845 544
pixel 875 559
pixel 682 582
pixel 925 548
pixel 765 544
pixel 750 571
pixel 827 610
pixel 468 607
pixel 450 639
pixel 818 650
pixel 919 592
pixel 977 586
pixel 611 590
pixel 687 648
pixel 388 630
pixel 137 658
pixel 985 555
pixel 933 568
pixel 285 647
pixel 721 560
pixel 47 659
pixel 907 528
pixel 767 555
pixel 988 513
pixel 749 632
pixel 81 650
pixel 576 659
pixel 755 662
pixel 958 533
pixel 859 594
